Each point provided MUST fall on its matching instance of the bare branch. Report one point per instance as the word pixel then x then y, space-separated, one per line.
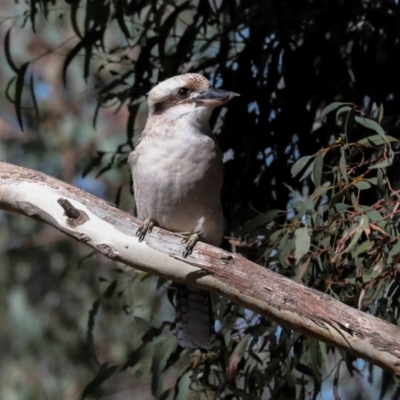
pixel 111 231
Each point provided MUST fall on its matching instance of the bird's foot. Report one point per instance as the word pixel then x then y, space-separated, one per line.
pixel 190 241
pixel 146 226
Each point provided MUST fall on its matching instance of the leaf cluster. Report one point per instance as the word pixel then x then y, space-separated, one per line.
pixel 343 238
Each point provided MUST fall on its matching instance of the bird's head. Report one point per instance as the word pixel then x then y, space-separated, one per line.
pixel 189 95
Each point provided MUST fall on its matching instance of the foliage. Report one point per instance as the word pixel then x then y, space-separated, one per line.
pixel 332 216
pixel 343 238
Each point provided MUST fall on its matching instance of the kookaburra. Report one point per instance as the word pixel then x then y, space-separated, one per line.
pixel 177 174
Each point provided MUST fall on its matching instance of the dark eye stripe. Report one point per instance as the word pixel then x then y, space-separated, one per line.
pixel 161 106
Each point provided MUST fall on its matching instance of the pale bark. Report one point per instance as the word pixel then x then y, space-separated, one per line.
pixel 111 231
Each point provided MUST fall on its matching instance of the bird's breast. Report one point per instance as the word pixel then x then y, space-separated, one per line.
pixel 177 182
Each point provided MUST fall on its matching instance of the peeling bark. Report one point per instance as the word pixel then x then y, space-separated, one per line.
pixel 111 231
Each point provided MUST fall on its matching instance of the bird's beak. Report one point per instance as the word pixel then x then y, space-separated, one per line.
pixel 214 98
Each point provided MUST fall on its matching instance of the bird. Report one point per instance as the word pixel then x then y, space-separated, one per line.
pixel 177 172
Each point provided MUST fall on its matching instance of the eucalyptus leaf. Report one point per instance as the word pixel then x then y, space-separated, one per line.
pixel 370 124
pixel 302 243
pixel 377 140
pixel 363 185
pixel 343 167
pixel 314 356
pixel 331 107
pixel 317 168
pixel 357 232
pixel 253 224
pixel 382 164
pixel 342 110
pixel 299 165
pixel 161 354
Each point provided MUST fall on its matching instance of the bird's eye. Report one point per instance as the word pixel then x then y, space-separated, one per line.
pixel 183 92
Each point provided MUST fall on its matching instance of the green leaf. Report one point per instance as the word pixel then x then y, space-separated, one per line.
pixel 74 22
pixel 307 171
pixel 182 387
pixel 380 113
pixel 166 394
pixel 343 167
pixel 253 224
pixel 299 165
pixel 143 352
pixel 89 334
pixel 8 89
pixel 371 124
pixel 341 207
pixel 324 354
pixel 105 372
pixel 8 52
pixel 331 107
pixel 276 235
pixel 241 347
pixel 394 251
pixel 133 110
pixel 374 109
pixel 161 354
pixel 373 274
pixel 19 87
pixel 342 110
pixel 376 140
pixel 317 168
pixel 305 370
pixel 374 215
pixel 336 383
pixel 373 181
pixel 110 289
pixel 380 180
pixel 286 247
pixel 302 243
pixel 119 16
pixel 363 185
pixel 164 31
pixel 315 365
pixel 142 370
pixel 35 105
pixel 301 209
pixel 33 12
pixel 349 127
pixel 362 248
pixel 96 113
pixel 382 164
pixel 337 197
pixel 142 322
pixel 362 224
pixel 71 55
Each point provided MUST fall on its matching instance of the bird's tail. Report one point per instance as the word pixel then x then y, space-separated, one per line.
pixel 194 317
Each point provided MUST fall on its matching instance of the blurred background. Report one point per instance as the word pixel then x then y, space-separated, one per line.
pixel 48 283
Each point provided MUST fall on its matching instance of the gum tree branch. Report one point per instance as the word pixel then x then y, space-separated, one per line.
pixel 111 231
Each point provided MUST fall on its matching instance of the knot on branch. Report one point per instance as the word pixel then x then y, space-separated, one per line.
pixel 75 217
pixel 106 250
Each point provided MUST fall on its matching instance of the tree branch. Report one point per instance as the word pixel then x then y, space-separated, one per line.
pixel 111 231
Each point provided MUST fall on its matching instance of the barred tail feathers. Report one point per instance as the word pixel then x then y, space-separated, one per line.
pixel 194 317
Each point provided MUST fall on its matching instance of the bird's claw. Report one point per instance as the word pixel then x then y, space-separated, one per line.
pixel 147 226
pixel 190 241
